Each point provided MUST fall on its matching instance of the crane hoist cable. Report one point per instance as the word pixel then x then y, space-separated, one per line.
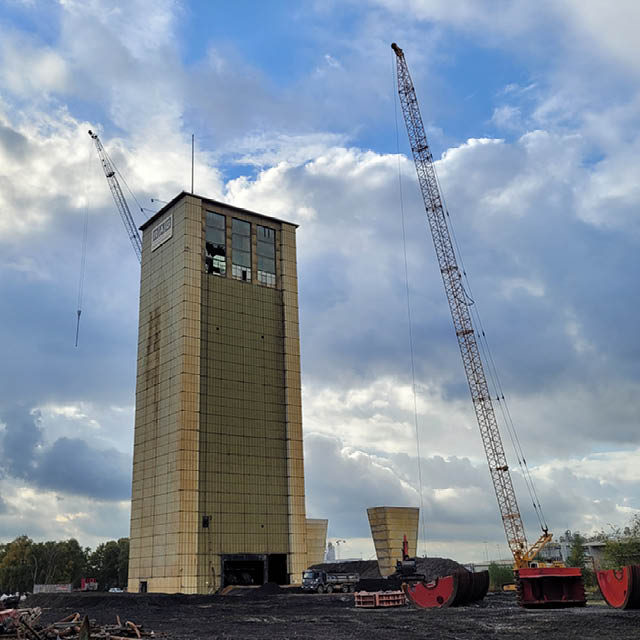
pixel 83 253
pixel 118 196
pixel 421 523
pixel 460 305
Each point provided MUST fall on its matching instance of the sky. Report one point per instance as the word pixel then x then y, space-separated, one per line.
pixel 532 113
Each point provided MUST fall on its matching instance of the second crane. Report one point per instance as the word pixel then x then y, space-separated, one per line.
pixel 118 196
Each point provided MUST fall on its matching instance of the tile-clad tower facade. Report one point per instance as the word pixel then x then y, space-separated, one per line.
pixel 218 477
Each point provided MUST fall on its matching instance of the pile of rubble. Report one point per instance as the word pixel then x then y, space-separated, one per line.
pixel 23 623
pixel 430 567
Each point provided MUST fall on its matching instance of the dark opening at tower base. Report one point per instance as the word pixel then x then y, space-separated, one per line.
pixel 254 569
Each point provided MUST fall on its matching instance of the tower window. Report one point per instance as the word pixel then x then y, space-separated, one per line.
pixel 241 250
pixel 215 260
pixel 266 256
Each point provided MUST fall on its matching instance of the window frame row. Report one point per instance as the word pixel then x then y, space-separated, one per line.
pixel 216 255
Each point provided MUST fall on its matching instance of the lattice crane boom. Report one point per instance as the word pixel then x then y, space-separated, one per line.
pixel 118 196
pixel 459 304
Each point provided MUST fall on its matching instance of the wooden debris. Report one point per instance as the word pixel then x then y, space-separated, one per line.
pixel 21 624
pixel 85 630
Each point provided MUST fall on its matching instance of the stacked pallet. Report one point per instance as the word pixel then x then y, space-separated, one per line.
pixel 375 599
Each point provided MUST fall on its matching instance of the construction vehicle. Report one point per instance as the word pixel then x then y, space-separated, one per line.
pixel 537 586
pixel 88 584
pixel 407 568
pixel 460 588
pixel 118 196
pixel 326 582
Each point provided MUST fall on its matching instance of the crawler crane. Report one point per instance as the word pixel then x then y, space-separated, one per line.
pixel 537 586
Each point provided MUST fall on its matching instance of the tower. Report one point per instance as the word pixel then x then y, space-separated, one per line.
pixel 388 526
pixel 218 478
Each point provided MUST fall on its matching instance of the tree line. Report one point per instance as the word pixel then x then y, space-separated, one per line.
pixel 24 563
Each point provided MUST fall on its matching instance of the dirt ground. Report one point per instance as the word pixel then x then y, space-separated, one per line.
pixel 289 614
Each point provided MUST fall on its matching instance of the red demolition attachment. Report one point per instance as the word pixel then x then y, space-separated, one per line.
pixel 621 587
pixel 450 591
pixel 550 587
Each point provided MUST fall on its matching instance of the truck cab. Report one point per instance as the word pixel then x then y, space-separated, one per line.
pixel 314 580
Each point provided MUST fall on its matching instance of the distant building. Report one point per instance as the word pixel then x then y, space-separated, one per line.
pixel 593 551
pixel 330 556
pixel 52 588
pixel 560 551
pixel 218 476
pixel 553 552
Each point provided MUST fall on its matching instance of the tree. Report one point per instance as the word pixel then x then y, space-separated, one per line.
pixel 578 558
pixel 109 563
pixel 577 555
pixel 73 562
pixel 499 575
pixel 123 562
pixel 623 546
pixel 24 563
pixel 16 566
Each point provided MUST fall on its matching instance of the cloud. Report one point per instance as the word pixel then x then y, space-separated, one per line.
pixel 48 70
pixel 611 31
pixel 48 515
pixel 508 117
pixel 68 465
pixel 345 482
pixel 460 512
pixel 540 182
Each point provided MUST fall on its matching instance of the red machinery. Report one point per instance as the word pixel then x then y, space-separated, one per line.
pixel 552 587
pixel 462 587
pixel 621 587
pixel 536 587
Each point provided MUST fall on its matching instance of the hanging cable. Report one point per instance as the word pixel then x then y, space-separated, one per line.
pixel 83 255
pixel 410 323
pixel 142 209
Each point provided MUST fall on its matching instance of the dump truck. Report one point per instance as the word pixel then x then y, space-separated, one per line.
pixel 325 582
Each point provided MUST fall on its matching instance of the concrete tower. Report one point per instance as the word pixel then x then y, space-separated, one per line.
pixel 218 478
pixel 389 525
pixel 316 540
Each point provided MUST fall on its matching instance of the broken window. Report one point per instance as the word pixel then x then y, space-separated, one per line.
pixel 215 260
pixel 266 256
pixel 241 250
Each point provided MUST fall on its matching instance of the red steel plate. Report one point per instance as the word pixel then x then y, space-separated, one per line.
pixel 617 587
pixel 441 592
